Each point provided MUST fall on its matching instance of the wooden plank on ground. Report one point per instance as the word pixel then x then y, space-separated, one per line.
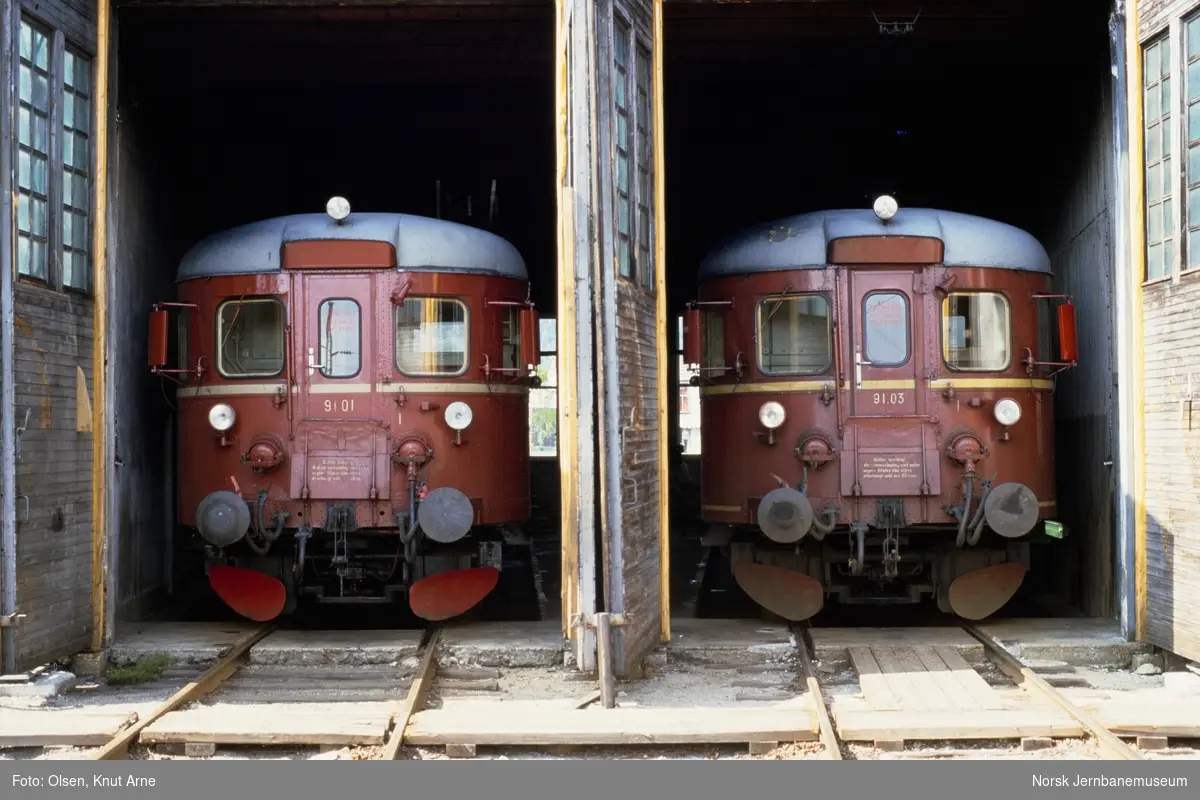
pixel 926 686
pixel 955 692
pixel 1124 718
pixel 969 679
pixel 21 727
pixel 870 679
pixel 495 725
pixel 898 679
pixel 332 724
pixel 1009 724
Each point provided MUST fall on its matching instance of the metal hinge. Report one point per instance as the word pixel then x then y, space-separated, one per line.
pixel 11 620
pixel 589 620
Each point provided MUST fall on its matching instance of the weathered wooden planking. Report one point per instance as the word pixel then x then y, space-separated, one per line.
pixel 871 680
pixel 496 725
pixel 899 681
pixel 955 691
pixel 860 726
pixel 334 724
pixel 70 728
pixel 969 679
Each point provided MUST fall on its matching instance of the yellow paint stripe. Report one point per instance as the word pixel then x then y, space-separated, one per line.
pixel 761 388
pixel 866 385
pixel 253 389
pixel 991 383
pixel 726 509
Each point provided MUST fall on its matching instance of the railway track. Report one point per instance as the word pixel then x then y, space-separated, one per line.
pixel 396 728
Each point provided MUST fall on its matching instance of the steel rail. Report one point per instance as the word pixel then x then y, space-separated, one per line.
pixel 118 748
pixel 833 748
pixel 418 692
pixel 1029 680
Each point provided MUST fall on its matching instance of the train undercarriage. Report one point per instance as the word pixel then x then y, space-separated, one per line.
pixel 491 573
pixel 863 565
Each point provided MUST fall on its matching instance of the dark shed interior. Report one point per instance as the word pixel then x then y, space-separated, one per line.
pixel 1001 109
pixel 227 115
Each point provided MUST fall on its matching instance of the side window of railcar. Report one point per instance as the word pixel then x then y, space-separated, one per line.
pixel 714 339
pixel 250 338
pixel 885 329
pixel 510 338
pixel 339 331
pixel 793 335
pixel 976 331
pixel 431 336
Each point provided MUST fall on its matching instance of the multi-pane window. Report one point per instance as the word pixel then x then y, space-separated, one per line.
pixel 644 183
pixel 33 157
pixel 623 144
pixel 1159 135
pixel 76 199
pixel 1192 175
pixel 543 401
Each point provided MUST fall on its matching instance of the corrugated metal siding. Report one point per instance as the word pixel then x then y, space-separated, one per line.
pixel 54 471
pixel 640 487
pixel 1085 397
pixel 1172 353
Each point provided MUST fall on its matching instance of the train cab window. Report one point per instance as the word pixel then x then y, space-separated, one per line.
pixel 339 331
pixel 250 341
pixel 431 336
pixel 713 332
pixel 885 329
pixel 793 335
pixel 976 331
pixel 510 337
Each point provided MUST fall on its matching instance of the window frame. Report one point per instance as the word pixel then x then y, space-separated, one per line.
pixel 542 354
pixel 758 329
pixel 84 171
pixel 218 326
pixel 943 330
pixel 61 44
pixel 322 368
pixel 908 343
pixel 466 336
pixel 52 155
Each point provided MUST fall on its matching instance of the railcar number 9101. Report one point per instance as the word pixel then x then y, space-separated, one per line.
pixel 339 405
pixel 888 398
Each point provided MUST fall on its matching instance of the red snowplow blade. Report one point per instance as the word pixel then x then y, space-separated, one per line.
pixel 792 595
pixel 982 592
pixel 253 594
pixel 449 594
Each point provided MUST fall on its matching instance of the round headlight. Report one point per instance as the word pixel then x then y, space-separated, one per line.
pixel 221 417
pixel 771 415
pixel 1007 411
pixel 458 415
pixel 338 208
pixel 886 207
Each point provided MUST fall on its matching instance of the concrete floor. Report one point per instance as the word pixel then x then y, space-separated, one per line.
pixel 504 644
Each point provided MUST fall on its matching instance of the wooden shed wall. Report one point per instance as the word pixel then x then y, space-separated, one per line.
pixel 53 343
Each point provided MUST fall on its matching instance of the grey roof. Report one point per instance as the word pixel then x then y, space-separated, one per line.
pixel 802 241
pixel 422 244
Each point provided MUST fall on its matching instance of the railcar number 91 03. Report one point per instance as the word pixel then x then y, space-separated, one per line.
pixel 888 398
pixel 339 405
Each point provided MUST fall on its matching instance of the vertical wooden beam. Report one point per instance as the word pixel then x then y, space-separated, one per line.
pixel 604 660
pixel 1137 274
pixel 100 325
pixel 664 390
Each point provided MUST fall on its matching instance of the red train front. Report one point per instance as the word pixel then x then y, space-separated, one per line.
pixel 876 404
pixel 352 407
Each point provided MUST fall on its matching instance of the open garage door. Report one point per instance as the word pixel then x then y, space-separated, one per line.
pixel 632 324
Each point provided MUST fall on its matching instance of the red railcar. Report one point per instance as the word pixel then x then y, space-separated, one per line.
pixel 352 407
pixel 876 406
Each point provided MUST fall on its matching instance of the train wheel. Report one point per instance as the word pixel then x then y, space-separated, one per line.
pixel 982 592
